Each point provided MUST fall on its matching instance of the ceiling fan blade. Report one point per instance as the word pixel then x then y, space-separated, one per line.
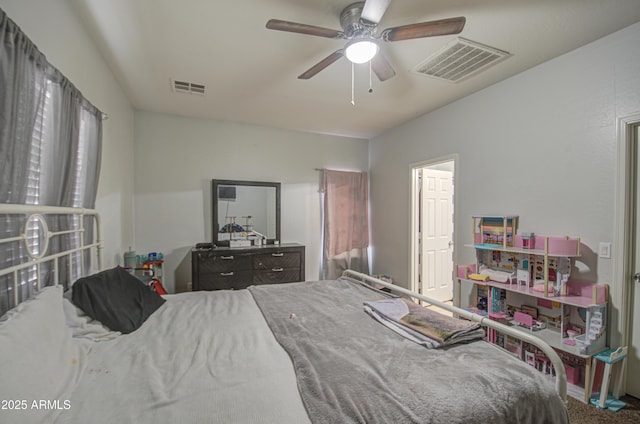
pixel 381 67
pixel 322 64
pixel 424 29
pixel 373 10
pixel 279 25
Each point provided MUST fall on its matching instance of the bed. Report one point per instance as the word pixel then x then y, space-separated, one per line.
pixel 288 353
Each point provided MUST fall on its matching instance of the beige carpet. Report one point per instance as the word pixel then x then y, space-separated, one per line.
pixel 580 413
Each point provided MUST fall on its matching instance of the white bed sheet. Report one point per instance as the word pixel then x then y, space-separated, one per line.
pixel 203 357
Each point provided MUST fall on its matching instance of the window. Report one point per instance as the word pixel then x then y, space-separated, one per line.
pixel 50 144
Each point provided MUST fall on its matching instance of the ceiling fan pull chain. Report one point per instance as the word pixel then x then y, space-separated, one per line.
pixel 370 78
pixel 353 80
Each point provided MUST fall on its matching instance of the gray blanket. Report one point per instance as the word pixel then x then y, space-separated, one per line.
pixel 351 369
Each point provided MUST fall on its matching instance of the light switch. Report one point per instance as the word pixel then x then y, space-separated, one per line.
pixel 604 250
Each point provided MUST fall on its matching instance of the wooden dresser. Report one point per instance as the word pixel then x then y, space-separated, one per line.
pixel 226 268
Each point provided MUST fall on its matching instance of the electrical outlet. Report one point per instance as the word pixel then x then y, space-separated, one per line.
pixel 604 250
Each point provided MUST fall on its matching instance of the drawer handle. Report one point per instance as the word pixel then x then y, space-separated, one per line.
pixel 226 258
pixel 277 269
pixel 277 255
pixel 226 274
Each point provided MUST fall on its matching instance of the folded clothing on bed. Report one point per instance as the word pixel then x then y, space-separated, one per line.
pixel 422 325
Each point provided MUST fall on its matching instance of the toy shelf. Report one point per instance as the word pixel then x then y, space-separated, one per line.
pixel 554 248
pixel 529 248
pixel 577 357
pixel 552 338
pixel 592 294
pixel 525 280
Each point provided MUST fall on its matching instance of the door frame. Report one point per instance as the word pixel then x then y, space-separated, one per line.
pixel 624 231
pixel 413 277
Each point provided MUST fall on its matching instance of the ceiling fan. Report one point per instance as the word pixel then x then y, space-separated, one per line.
pixel 359 23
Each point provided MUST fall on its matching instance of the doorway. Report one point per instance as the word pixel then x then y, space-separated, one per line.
pixel 626 291
pixel 432 218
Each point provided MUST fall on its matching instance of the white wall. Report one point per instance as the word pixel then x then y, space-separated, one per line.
pixel 56 30
pixel 541 145
pixel 176 158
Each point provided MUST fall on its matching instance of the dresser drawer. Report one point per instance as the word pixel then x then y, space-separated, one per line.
pixel 209 263
pixel 277 275
pixel 226 268
pixel 226 280
pixel 276 260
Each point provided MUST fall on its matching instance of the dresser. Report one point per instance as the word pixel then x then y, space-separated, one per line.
pixel 225 268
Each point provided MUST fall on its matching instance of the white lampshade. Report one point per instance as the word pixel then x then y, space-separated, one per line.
pixel 361 51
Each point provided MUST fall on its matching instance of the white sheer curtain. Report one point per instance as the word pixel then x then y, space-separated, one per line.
pixel 346 222
pixel 50 146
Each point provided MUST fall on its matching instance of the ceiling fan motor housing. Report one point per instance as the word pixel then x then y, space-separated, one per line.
pixel 352 25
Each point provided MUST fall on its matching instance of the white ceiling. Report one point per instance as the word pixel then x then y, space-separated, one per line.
pixel 250 72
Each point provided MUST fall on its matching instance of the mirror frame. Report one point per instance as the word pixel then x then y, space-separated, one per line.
pixel 214 206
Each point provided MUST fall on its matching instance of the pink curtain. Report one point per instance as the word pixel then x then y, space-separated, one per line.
pixel 346 222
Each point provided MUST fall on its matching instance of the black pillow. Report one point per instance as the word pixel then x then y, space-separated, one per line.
pixel 116 298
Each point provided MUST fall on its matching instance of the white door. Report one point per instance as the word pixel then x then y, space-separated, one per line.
pixel 436 235
pixel 633 358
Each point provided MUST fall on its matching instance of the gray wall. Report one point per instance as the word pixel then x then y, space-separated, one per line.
pixel 176 158
pixel 541 145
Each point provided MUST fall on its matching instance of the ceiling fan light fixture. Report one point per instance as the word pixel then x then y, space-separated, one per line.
pixel 361 51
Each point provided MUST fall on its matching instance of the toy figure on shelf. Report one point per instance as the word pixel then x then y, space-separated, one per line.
pixel 523 274
pixel 563 272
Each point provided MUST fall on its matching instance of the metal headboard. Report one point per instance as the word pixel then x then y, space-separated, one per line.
pixel 35 216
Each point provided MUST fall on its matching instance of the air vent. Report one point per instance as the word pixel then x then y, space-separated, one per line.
pixel 459 60
pixel 188 87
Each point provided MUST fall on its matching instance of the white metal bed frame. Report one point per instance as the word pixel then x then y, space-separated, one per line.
pixel 36 212
pixel 561 375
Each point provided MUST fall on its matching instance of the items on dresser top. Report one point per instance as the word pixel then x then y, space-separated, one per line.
pixel 225 268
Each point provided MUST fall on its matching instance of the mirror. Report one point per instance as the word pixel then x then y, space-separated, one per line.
pixel 244 211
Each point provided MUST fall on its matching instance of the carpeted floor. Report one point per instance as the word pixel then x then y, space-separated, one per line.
pixel 580 413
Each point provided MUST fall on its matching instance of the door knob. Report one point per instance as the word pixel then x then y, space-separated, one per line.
pixel 636 277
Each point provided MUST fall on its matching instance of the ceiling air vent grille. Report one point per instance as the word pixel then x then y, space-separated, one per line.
pixel 188 87
pixel 459 60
